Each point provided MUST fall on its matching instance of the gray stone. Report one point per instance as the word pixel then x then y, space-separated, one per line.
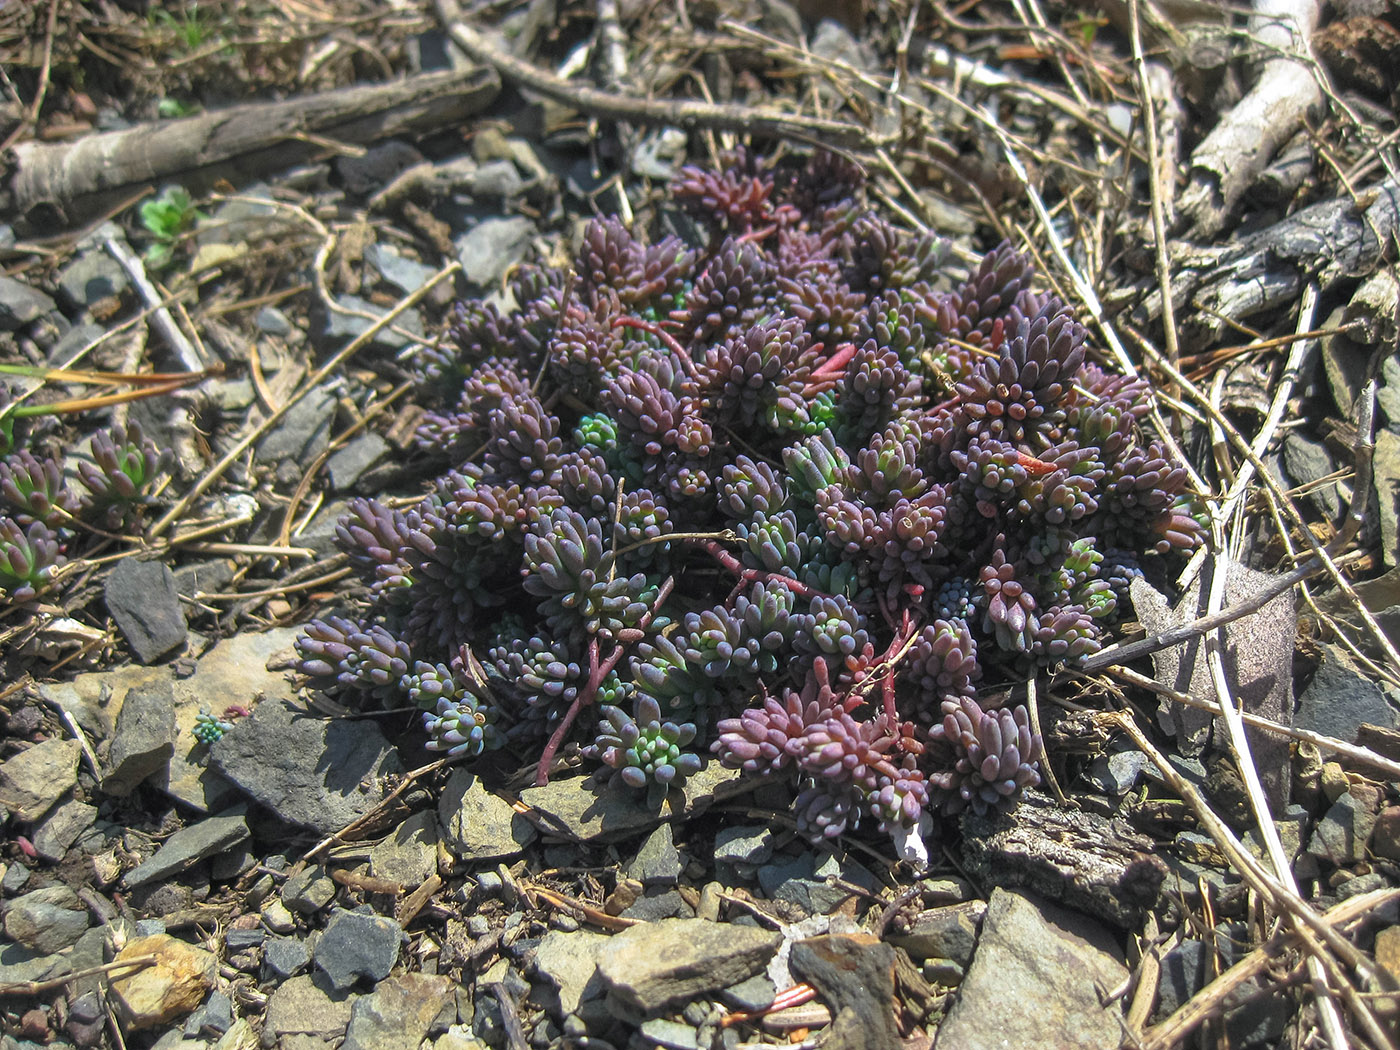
pixel 376 167
pixel 188 846
pixel 747 844
pixel 754 994
pixel 497 179
pixel 91 277
pixel 302 1006
pixel 1340 699
pixel 357 945
pixel 1362 884
pixel 603 808
pixel 145 738
pixel 658 862
pixel 404 274
pixel 943 933
pixel 656 964
pixel 19 964
pixel 1386 473
pixel 492 247
pixel 33 780
pixel 216 1015
pixel 285 956
pixel 14 879
pixel 278 918
pixel 309 890
pixel 314 772
pixel 304 432
pixel 1115 774
pixel 230 864
pixel 658 904
pixel 1184 973
pixel 1037 971
pixel 803 881
pixel 21 304
pixel 272 321
pixel 61 828
pixel 1341 836
pixel 142 598
pixel 237 940
pixel 344 326
pixel 568 963
pixel 1307 460
pixel 46 920
pixel 408 855
pixel 400 1013
pixel 347 466
pixel 479 825
pixel 671 1034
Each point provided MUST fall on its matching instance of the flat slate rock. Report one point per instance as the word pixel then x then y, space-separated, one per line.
pixel 593 807
pixel 478 824
pixel 357 945
pixel 401 1012
pixel 145 738
pixel 314 772
pixel 21 304
pixel 1035 980
pixel 142 598
pixel 1340 699
pixel 656 964
pixel 188 846
pixel 33 780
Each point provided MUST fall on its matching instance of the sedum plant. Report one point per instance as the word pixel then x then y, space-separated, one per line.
pixel 789 495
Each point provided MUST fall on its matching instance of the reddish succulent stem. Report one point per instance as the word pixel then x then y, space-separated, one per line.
pixel 747 575
pixel 599 667
pixel 669 341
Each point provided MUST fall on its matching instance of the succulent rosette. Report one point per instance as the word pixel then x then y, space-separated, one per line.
pixel 795 494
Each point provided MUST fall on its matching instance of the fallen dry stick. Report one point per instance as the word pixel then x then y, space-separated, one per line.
pixel 60 184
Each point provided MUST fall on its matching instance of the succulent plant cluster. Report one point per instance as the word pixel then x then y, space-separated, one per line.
pixel 788 493
pixel 42 516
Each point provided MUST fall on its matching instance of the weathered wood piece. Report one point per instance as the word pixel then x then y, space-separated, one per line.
pixel 1100 866
pixel 54 185
pixel 1265 270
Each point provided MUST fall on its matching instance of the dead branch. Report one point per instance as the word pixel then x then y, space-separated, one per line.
pixel 1226 164
pixel 61 184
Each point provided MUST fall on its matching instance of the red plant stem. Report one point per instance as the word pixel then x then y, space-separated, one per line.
pixel 836 363
pixel 667 340
pixel 598 669
pixel 747 575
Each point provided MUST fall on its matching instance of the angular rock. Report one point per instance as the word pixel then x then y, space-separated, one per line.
pixel 854 977
pixel 1185 970
pixel 188 846
pixel 347 466
pixel 309 890
pixel 301 1006
pixel 658 903
pixel 33 780
pixel 1341 835
pixel 658 862
pixel 751 845
pixel 344 326
pixel 356 945
pixel 61 828
pixel 1340 699
pixel 145 738
pixel 672 1035
pixel 653 965
pixel 591 808
pixel 400 1013
pixel 404 274
pixel 285 956
pixel 173 986
pixel 1035 980
pixel 21 304
pixel 943 933
pixel 1307 460
pixel 46 920
pixel 478 825
pixel 91 277
pixel 804 881
pixel 568 962
pixel 142 598
pixel 492 247
pixel 314 772
pixel 408 854
pixel 1385 836
pixel 304 432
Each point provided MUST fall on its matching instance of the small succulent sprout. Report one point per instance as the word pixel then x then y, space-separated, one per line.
pixel 463 726
pixel 996 753
pixel 125 469
pixel 642 748
pixel 209 728
pixel 33 489
pixel 28 557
